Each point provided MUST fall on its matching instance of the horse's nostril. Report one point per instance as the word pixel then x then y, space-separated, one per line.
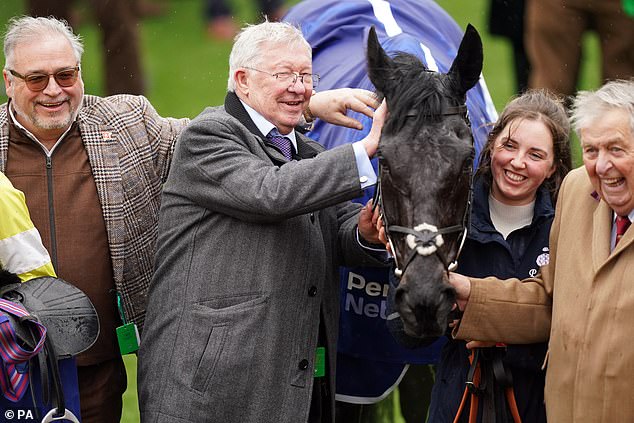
pixel 410 330
pixel 400 295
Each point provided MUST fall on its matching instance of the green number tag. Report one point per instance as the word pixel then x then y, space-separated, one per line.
pixel 128 336
pixel 320 362
pixel 127 333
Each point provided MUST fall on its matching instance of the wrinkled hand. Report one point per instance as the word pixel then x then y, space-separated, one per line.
pixel 462 285
pixel 332 105
pixel 368 224
pixel 371 141
pixel 480 344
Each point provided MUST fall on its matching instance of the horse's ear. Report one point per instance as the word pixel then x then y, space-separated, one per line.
pixel 380 66
pixel 467 66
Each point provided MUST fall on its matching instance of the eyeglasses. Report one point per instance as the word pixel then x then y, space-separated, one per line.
pixel 291 77
pixel 39 81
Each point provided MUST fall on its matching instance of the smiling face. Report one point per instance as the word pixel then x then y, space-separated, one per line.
pixel 608 155
pixel 521 159
pixel 281 103
pixel 48 113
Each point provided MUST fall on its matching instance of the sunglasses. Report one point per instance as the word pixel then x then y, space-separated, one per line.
pixel 39 81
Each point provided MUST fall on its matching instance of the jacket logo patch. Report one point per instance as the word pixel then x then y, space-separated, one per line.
pixel 543 259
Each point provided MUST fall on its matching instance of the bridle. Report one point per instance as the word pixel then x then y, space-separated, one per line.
pixel 426 239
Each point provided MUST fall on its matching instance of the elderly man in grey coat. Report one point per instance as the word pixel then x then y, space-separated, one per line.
pixel 243 308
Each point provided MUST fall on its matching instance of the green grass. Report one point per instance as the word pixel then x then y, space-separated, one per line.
pixel 130 399
pixel 187 72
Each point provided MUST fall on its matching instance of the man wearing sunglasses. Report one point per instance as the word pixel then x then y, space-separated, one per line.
pixel 92 170
pixel 243 308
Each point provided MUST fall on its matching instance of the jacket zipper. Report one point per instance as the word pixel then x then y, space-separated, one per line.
pixel 51 210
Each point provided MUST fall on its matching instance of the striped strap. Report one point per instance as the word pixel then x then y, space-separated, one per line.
pixel 14 373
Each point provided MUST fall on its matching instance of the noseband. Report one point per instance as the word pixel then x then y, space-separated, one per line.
pixel 426 239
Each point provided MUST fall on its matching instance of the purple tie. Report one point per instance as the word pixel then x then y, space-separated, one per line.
pixel 281 142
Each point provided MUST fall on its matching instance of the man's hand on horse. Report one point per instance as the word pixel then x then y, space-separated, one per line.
pixel 332 105
pixel 367 224
pixel 462 285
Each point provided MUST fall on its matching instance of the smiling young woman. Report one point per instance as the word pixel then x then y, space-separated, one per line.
pixel 521 167
pixel 521 159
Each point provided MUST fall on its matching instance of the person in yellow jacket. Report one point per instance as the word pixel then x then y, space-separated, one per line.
pixel 21 248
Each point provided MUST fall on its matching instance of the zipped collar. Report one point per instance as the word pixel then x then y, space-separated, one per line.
pixel 482 228
pixel 33 137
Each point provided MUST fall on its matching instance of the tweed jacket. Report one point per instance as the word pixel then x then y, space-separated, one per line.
pixel 590 360
pixel 129 147
pixel 246 267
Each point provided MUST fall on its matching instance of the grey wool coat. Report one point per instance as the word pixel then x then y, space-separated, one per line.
pixel 248 251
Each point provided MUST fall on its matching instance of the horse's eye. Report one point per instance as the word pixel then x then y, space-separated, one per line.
pixel 463 131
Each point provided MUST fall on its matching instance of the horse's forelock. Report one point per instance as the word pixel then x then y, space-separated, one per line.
pixel 416 89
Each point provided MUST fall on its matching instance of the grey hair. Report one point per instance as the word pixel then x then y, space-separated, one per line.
pixel 25 28
pixel 589 105
pixel 247 49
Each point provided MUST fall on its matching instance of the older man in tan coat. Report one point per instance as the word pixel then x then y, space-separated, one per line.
pixel 584 300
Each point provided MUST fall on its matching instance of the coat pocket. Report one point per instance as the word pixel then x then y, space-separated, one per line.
pixel 215 331
pixel 207 364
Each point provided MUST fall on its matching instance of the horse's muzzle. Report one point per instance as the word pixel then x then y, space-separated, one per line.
pixel 424 305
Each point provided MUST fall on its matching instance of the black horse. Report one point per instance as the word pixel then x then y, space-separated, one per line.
pixel 425 164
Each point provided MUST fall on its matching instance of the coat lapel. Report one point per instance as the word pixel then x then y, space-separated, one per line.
pixel 4 137
pixel 601 226
pixel 100 142
pixel 273 152
pixel 304 150
pixel 234 107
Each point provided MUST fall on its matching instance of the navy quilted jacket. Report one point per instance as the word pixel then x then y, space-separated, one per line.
pixel 487 253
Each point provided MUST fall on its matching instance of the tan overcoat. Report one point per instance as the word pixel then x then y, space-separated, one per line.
pixel 590 366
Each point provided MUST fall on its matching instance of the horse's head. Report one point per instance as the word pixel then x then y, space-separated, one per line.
pixel 425 159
